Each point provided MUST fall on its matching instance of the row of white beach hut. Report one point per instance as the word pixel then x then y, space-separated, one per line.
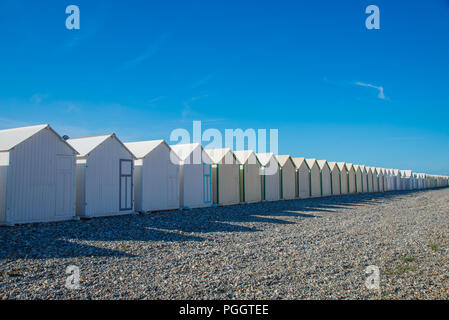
pixel 44 177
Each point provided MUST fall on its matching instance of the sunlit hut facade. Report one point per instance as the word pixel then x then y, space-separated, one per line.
pixel 396 179
pixel 156 176
pixel 37 176
pixel 335 178
pixel 364 171
pixel 343 177
pixel 381 179
pixel 271 180
pixel 352 182
pixel 325 171
pixel 195 175
pixel 369 173
pixel 315 178
pixel 358 178
pixel 375 179
pixel 390 180
pixel 225 176
pixel 406 179
pixel 250 176
pixel 288 177
pixel 302 178
pixel 105 176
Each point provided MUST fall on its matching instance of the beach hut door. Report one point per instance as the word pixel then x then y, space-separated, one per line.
pixel 207 183
pixel 126 184
pixel 64 185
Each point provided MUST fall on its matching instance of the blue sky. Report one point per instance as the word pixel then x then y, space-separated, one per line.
pixel 308 68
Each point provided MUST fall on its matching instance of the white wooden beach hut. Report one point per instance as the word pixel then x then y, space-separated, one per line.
pixel 397 180
pixel 225 176
pixel 37 176
pixel 352 183
pixel 104 176
pixel 156 176
pixel 271 181
pixel 381 179
pixel 250 176
pixel 302 178
pixel 364 178
pixel 335 178
pixel 315 181
pixel 406 179
pixel 390 180
pixel 375 179
pixel 358 178
pixel 288 177
pixel 343 177
pixel 326 183
pixel 195 175
pixel 370 175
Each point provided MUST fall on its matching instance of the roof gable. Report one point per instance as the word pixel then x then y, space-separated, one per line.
pixel 322 164
pixel 11 138
pixel 222 156
pixel 247 157
pixel 342 166
pixel 284 159
pixel 265 158
pixel 311 163
pixel 141 149
pixel 184 151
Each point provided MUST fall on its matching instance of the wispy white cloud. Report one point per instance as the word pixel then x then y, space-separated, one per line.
pixel 154 48
pixel 152 102
pixel 203 81
pixel 381 94
pixel 38 98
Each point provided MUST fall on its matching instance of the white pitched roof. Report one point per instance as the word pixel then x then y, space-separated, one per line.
pixel 265 158
pixel 322 163
pixel 244 155
pixel 85 145
pixel 142 148
pixel 342 165
pixel 310 162
pixel 183 151
pixel 221 155
pixel 283 160
pixel 406 173
pixel 12 137
pixel 333 165
pixel 350 166
pixel 299 161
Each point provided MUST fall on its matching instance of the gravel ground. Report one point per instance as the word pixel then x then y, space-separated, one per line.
pixel 302 249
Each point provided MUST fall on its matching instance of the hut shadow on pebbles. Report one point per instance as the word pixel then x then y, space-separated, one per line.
pixel 116 236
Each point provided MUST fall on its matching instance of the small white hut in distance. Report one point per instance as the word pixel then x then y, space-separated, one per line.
pixel 358 178
pixel 196 175
pixel 315 178
pixel 37 176
pixel 271 180
pixel 104 173
pixel 302 178
pixel 288 177
pixel 343 177
pixel 335 178
pixel 326 187
pixel 250 176
pixel 225 176
pixel 352 182
pixel 156 176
